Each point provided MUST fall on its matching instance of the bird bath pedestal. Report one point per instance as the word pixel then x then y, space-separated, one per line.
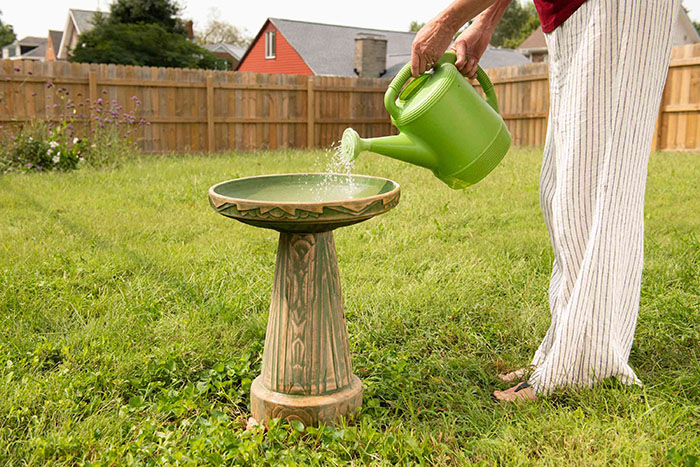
pixel 306 370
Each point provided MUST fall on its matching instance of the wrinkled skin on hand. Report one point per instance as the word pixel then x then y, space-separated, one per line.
pixel 469 47
pixel 429 45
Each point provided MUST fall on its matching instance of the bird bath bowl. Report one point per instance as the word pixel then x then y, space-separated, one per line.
pixel 306 370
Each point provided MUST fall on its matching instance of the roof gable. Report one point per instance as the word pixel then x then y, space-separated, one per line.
pixel 55 37
pixel 82 19
pixel 328 49
pixel 534 40
pixel 233 50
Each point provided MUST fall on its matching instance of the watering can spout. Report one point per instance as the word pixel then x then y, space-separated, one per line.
pixel 399 147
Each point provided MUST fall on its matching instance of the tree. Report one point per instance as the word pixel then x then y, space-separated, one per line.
pixel 7 34
pixel 221 32
pixel 415 26
pixel 162 12
pixel 142 32
pixel 517 24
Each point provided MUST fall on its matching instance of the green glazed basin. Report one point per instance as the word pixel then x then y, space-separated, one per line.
pixel 306 202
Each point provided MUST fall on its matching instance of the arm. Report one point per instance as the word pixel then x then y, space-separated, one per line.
pixel 472 43
pixel 434 38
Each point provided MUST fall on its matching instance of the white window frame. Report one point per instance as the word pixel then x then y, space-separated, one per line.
pixel 270 44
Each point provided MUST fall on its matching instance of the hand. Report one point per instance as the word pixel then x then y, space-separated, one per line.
pixel 469 47
pixel 429 45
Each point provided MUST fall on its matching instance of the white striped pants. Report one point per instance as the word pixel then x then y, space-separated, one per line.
pixel 608 65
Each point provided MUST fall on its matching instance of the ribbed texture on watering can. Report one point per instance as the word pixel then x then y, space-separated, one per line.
pixel 409 112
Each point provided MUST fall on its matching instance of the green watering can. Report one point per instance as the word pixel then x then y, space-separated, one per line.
pixel 444 124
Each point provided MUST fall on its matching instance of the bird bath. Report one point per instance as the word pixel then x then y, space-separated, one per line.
pixel 306 370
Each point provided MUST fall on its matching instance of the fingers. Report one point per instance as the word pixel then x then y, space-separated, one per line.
pixel 465 64
pixel 460 49
pixel 470 69
pixel 415 64
pixel 419 64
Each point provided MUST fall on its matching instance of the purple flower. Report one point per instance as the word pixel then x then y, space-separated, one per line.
pixel 49 84
pixel 7 79
pixel 38 167
pixel 99 100
pixel 33 94
pixel 29 165
pixel 16 68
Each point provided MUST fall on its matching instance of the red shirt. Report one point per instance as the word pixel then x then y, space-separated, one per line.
pixel 554 12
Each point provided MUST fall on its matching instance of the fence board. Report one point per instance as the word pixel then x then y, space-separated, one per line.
pixel 187 111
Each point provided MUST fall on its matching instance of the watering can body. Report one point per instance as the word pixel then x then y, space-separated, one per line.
pixel 444 124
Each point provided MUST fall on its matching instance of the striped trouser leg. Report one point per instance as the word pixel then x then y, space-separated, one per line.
pixel 608 65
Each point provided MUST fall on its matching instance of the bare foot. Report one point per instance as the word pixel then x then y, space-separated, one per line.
pixel 520 393
pixel 517 375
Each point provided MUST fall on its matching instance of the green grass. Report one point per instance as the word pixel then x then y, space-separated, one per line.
pixel 132 320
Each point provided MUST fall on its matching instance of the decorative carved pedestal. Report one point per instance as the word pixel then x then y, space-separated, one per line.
pixel 306 369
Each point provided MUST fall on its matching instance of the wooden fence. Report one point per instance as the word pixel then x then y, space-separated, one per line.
pixel 200 110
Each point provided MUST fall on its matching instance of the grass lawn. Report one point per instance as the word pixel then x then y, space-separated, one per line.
pixel 132 319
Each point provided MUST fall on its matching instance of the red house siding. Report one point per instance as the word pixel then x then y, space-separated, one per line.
pixel 286 61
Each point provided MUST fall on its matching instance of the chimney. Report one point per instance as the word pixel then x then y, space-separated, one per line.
pixel 189 29
pixel 370 55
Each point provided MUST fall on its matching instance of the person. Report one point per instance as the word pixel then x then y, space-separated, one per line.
pixel 608 61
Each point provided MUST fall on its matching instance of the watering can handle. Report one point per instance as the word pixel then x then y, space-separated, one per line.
pixel 450 57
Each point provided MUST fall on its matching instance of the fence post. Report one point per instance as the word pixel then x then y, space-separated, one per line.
pixel 92 89
pixel 210 114
pixel 310 114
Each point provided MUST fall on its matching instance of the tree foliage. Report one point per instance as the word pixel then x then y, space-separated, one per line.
pixel 415 26
pixel 143 32
pixel 144 45
pixel 221 32
pixel 517 24
pixel 7 34
pixel 164 13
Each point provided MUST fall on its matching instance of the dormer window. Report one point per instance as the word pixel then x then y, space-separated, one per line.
pixel 270 46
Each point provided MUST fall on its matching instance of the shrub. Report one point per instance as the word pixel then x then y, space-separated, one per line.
pixel 38 147
pixel 66 143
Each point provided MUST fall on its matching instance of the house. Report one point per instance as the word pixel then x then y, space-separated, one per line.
pixel 684 32
pixel 228 51
pixel 535 47
pixel 78 22
pixel 305 48
pixel 28 48
pixel 52 45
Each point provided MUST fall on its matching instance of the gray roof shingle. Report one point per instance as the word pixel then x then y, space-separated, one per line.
pixel 234 50
pixel 83 19
pixel 55 37
pixel 329 49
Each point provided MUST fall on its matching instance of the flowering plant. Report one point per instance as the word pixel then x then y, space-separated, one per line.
pixel 99 133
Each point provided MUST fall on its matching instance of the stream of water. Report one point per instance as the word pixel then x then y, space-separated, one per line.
pixel 338 175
